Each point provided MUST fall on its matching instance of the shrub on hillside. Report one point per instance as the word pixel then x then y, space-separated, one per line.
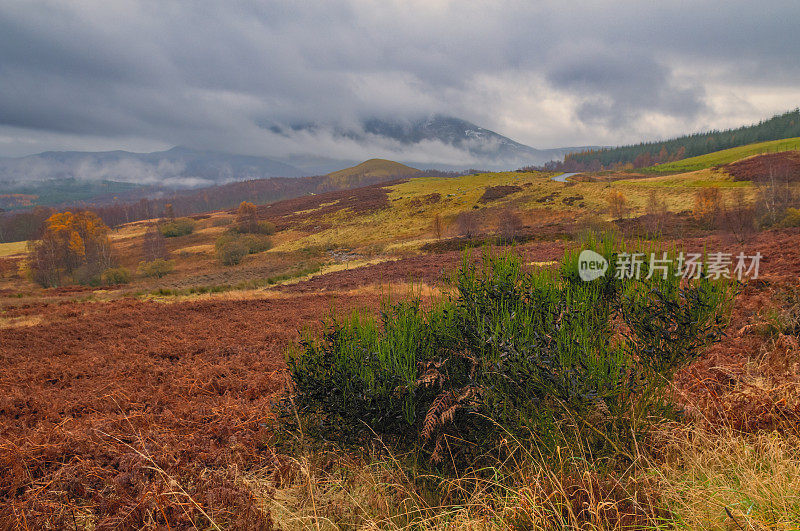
pixel 791 218
pixel 177 227
pixel 542 357
pixel 231 253
pixel 260 227
pixel 156 269
pixel 617 205
pixel 233 247
pixel 509 225
pixel 116 275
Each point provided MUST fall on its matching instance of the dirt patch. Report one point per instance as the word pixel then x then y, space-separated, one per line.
pixel 430 199
pixel 493 193
pixel 549 198
pixel 310 209
pixel 571 200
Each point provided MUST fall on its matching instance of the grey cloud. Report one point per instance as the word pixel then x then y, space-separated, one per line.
pixel 207 74
pixel 617 89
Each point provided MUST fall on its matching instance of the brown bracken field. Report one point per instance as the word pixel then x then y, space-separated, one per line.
pixel 121 408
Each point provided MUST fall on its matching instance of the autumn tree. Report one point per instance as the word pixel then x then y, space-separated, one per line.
pixel 246 221
pixel 617 204
pixel 707 204
pixel 169 211
pixel 74 247
pixel 247 217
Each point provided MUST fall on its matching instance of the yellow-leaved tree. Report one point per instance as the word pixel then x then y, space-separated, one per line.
pixel 74 247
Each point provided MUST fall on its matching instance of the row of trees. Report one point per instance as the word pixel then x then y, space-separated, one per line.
pixel 646 154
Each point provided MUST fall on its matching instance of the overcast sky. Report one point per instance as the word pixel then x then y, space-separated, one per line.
pixel 142 76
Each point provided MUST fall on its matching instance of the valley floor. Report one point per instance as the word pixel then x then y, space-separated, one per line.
pixel 110 411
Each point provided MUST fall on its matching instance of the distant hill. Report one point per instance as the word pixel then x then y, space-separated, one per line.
pixel 370 169
pixel 778 127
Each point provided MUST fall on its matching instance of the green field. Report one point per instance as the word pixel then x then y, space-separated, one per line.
pixel 726 156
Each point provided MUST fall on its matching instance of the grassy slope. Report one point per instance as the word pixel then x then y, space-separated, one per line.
pixel 13 248
pixel 407 223
pixel 409 219
pixel 726 156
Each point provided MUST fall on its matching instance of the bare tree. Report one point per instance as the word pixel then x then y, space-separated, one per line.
pixel 438 226
pixel 154 246
pixel 468 224
pixel 508 225
pixel 775 196
pixel 656 210
pixel 738 217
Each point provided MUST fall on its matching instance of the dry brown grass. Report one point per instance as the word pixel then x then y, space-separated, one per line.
pixel 732 481
pixel 20 322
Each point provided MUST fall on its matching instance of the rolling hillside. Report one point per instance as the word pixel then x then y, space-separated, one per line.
pixel 779 127
pixel 726 156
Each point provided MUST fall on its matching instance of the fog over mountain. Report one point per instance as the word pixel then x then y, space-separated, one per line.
pixel 178 167
pixel 436 141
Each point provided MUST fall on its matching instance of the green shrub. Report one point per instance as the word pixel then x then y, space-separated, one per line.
pixel 261 227
pixel 232 252
pixel 221 221
pixel 542 356
pixel 232 247
pixel 116 275
pixel 156 268
pixel 792 218
pixel 177 227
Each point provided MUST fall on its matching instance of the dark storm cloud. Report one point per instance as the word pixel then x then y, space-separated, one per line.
pixel 212 74
pixel 615 89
